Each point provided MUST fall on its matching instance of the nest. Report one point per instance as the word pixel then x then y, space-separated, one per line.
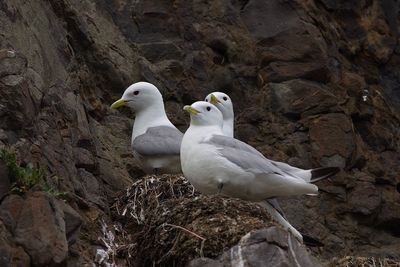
pixel 163 221
pixel 351 261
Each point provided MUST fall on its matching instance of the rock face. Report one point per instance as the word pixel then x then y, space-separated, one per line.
pixel 41 225
pixel 314 83
pixel 271 245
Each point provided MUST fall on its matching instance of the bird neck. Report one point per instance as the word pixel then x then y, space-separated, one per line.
pixel 151 116
pixel 201 132
pixel 227 127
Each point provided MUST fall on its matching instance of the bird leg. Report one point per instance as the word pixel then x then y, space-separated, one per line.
pixel 220 186
pixel 281 220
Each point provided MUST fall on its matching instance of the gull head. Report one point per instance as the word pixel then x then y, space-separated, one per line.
pixel 139 96
pixel 204 114
pixel 223 102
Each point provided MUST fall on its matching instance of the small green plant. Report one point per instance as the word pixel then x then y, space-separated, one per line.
pixel 54 192
pixel 24 178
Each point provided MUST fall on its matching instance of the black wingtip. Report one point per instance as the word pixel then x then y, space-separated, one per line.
pixel 323 173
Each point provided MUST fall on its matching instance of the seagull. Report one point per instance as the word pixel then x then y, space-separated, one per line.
pixel 215 163
pixel 218 164
pixel 224 103
pixel 155 140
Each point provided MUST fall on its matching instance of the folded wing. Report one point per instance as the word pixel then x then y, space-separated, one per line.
pixel 158 141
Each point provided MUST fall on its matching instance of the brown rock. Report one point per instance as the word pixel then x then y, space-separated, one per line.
pixel 10 210
pixel 91 187
pixel 84 159
pixel 283 71
pixel 332 139
pixel 158 51
pixel 15 95
pixel 353 83
pixel 264 20
pixel 73 222
pixel 293 98
pixel 41 230
pixel 364 199
pixel 204 262
pixel 10 253
pixel 5 184
pixel 11 63
pixel 271 245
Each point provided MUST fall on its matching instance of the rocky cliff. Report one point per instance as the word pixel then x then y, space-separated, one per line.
pixel 314 83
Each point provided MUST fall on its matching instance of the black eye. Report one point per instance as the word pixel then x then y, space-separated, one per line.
pixel 225 98
pixel 206 100
pixel 136 92
pixel 208 108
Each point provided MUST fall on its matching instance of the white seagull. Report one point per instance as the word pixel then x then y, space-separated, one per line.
pixel 155 140
pixel 224 103
pixel 218 164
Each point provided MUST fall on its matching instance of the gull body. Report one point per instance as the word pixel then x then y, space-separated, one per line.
pixel 215 163
pixel 155 140
pixel 224 104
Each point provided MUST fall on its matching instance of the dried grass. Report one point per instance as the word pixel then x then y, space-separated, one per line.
pixel 163 221
pixel 351 261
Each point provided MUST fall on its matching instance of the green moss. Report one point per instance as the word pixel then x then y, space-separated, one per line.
pixel 24 178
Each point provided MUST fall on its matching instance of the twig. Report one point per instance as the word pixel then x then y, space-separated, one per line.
pixel 192 233
pixel 184 229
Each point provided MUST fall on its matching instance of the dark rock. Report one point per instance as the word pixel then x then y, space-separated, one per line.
pixel 5 184
pixel 155 20
pixel 3 135
pixel 293 98
pixel 264 20
pixel 41 230
pixel 10 253
pixel 73 222
pixel 11 64
pixel 353 83
pixel 91 187
pixel 204 262
pixel 15 95
pixel 283 71
pixel 332 139
pixel 364 199
pixel 388 217
pixel 155 52
pixel 271 245
pixel 84 159
pixel 10 210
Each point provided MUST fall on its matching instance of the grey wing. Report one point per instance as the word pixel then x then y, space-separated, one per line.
pixel 159 140
pixel 251 155
pixel 243 155
pixel 226 141
pixel 285 167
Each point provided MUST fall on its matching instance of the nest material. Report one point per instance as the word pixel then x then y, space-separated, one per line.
pixel 164 222
pixel 351 261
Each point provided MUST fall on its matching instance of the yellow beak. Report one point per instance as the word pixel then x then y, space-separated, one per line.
pixel 119 103
pixel 191 110
pixel 214 100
